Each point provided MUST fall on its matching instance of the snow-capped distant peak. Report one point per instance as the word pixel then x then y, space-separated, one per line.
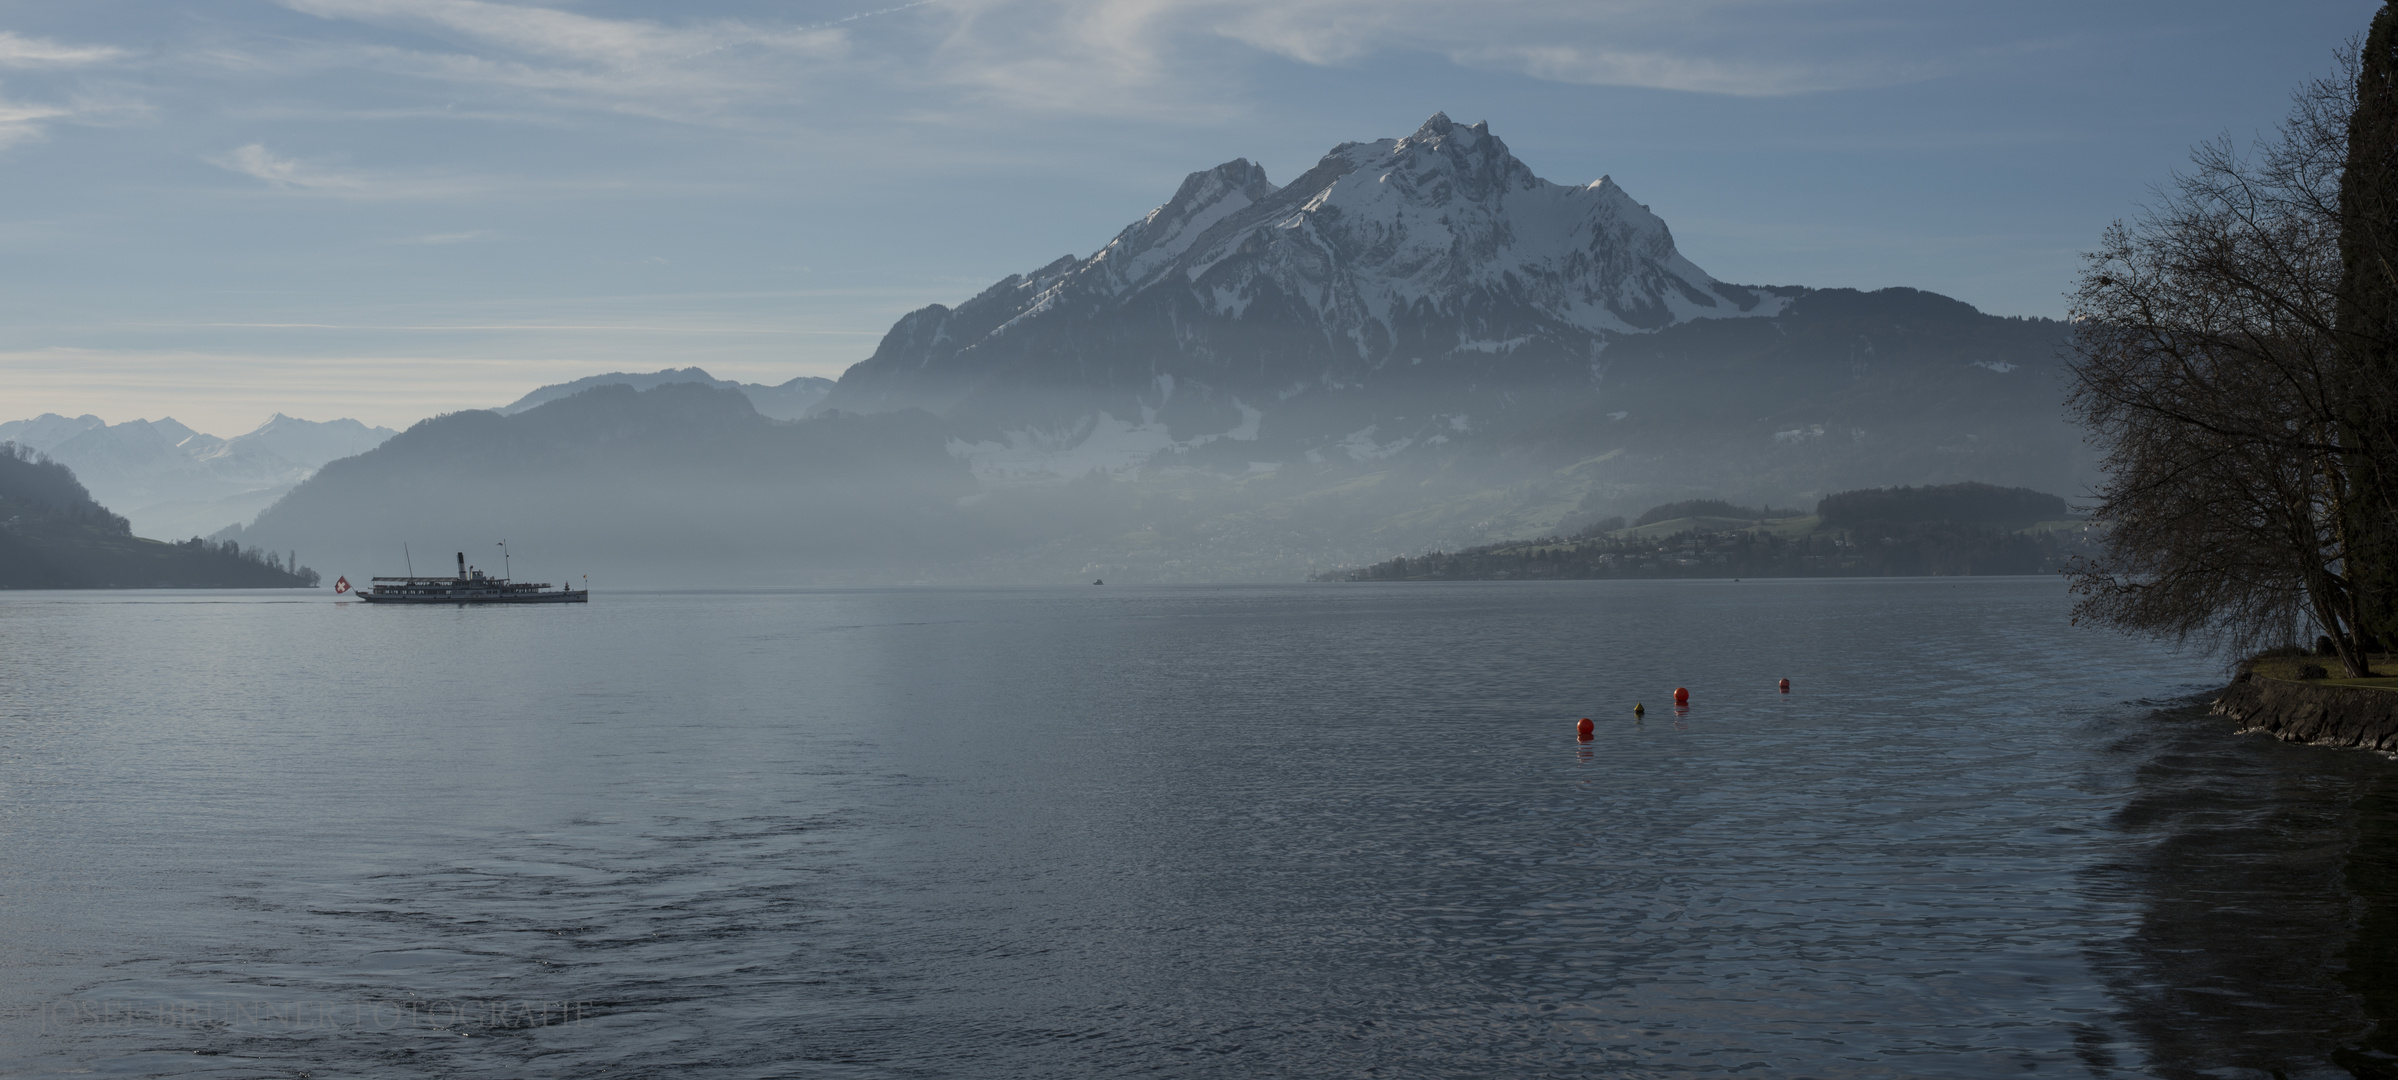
pixel 1448 213
pixel 1441 132
pixel 1377 231
pixel 1431 244
pixel 307 444
pixel 47 430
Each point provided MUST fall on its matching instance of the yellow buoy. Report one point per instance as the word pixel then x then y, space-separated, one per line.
pixel 1639 709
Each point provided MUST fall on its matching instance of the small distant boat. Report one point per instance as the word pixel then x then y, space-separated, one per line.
pixel 469 587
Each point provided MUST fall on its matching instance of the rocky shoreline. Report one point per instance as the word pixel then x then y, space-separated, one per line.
pixel 2313 713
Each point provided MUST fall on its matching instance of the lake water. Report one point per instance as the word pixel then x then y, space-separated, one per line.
pixel 1303 831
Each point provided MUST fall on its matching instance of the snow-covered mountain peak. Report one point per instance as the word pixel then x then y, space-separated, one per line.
pixel 1447 214
pixel 47 430
pixel 306 443
pixel 1441 245
pixel 1149 245
pixel 1378 229
pixel 1455 142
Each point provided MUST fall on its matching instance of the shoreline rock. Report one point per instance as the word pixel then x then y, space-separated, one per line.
pixel 2311 713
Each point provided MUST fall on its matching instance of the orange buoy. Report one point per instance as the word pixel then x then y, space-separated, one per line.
pixel 1583 729
pixel 1785 686
pixel 1681 696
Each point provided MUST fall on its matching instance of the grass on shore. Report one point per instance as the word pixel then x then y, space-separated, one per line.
pixel 2285 668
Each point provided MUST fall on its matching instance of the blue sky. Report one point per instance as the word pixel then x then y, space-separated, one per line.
pixel 392 208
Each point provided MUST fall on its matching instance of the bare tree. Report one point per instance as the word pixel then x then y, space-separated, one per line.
pixel 2211 369
pixel 2368 317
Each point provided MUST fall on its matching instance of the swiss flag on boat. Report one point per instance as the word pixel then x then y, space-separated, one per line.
pixel 341 585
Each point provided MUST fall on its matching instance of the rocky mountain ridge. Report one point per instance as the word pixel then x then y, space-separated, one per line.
pixel 781 401
pixel 1439 258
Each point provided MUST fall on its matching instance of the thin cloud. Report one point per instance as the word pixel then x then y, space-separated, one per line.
pixel 694 72
pixel 1178 60
pixel 20 122
pixel 617 43
pixel 448 238
pixel 1126 55
pixel 25 121
pixel 1671 71
pixel 17 50
pixel 255 160
pixel 292 174
pixel 871 14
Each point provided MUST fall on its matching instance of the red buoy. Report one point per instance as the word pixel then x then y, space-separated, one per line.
pixel 1785 686
pixel 1681 696
pixel 1583 729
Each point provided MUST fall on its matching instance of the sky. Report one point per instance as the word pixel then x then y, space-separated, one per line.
pixel 388 209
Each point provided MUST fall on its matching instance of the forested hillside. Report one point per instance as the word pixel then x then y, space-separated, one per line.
pixel 54 536
pixel 1949 530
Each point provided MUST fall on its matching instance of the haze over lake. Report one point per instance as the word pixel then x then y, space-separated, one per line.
pixel 549 538
pixel 1321 830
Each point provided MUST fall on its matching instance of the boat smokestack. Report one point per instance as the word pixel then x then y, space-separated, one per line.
pixel 461 566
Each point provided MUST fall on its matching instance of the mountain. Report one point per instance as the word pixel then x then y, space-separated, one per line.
pixel 53 535
pixel 1420 343
pixel 1430 296
pixel 1417 344
pixel 174 481
pixel 1424 264
pixel 309 444
pixel 1949 530
pixel 680 483
pixel 784 401
pixel 47 430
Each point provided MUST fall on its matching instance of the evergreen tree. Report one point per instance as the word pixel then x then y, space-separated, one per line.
pixel 2367 341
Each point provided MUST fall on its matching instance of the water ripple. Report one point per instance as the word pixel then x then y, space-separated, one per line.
pixel 1294 831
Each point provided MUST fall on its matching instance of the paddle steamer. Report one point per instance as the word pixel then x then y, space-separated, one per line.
pixel 471 586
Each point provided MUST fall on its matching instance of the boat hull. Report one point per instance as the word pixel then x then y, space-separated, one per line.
pixel 563 596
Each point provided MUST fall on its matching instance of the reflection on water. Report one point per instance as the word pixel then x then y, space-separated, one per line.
pixel 1306 832
pixel 2266 877
pixel 2371 958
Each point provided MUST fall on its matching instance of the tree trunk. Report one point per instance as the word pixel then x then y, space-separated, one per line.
pixel 2366 349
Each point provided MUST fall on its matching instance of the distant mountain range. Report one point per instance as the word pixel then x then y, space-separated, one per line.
pixel 170 481
pixel 682 483
pixel 1952 530
pixel 1416 344
pixel 783 401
